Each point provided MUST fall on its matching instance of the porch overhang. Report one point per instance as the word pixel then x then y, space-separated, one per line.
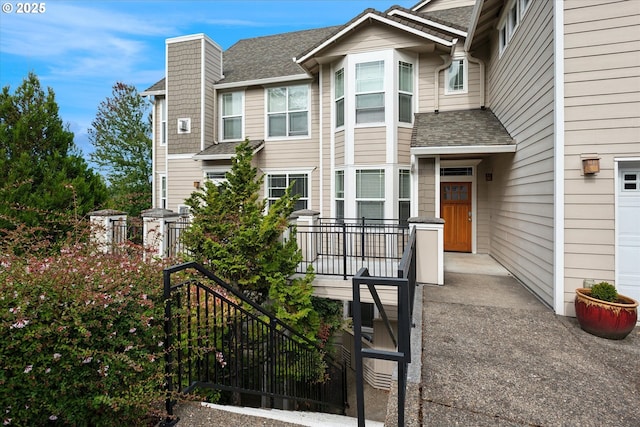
pixel 225 150
pixel 467 132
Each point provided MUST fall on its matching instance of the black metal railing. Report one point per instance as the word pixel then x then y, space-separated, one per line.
pixel 342 246
pixel 175 245
pixel 126 231
pixel 405 284
pixel 217 339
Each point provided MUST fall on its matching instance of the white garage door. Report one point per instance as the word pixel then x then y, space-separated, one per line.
pixel 628 282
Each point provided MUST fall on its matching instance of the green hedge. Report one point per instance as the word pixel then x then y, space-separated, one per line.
pixel 81 339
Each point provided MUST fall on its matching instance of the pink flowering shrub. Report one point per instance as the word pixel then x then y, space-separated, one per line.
pixel 81 339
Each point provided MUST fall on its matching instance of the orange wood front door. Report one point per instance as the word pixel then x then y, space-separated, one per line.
pixel 455 209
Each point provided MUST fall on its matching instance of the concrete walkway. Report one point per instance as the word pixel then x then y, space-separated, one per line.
pixel 493 355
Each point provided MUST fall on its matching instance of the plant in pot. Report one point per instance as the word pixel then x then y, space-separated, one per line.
pixel 603 312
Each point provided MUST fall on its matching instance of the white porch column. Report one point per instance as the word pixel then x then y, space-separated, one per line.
pixel 429 249
pixel 155 231
pixel 306 221
pixel 102 228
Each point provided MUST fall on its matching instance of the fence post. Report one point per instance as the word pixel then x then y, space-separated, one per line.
pixel 155 230
pixel 102 227
pixel 306 221
pixel 429 249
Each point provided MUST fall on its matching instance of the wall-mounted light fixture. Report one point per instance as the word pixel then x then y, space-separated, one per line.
pixel 590 164
pixel 196 184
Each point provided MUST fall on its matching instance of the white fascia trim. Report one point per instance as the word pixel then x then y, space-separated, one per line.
pixel 475 16
pixel 203 115
pixel 258 82
pixel 373 16
pixel 558 158
pixel 467 149
pixel 180 156
pixel 420 5
pixel 153 92
pixel 428 22
pixel 191 37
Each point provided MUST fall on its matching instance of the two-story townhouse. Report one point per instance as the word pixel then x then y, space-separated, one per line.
pixel 485 113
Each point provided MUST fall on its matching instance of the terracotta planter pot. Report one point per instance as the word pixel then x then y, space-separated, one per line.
pixel 612 320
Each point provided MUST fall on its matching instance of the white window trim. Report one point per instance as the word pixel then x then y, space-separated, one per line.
pixel 383 199
pixel 222 117
pixel 216 181
pixel 343 97
pixel 162 106
pixel 465 78
pixel 385 91
pixel 412 93
pixel 184 129
pixel 163 192
pixel 266 114
pixel 292 171
pixel 506 27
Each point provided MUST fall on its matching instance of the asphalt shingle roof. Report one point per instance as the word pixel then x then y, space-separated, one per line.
pixel 459 128
pixel 459 17
pixel 223 149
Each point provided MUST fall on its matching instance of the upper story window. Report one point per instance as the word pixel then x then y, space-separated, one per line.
pixel 510 19
pixel 231 108
pixel 456 77
pixel 288 111
pixel 370 92
pixel 162 111
pixel 405 92
pixel 163 191
pixel 277 183
pixel 339 97
pixel 404 195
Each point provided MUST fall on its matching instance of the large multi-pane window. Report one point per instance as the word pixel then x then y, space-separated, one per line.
pixel 405 92
pixel 404 195
pixel 370 92
pixel 231 115
pixel 339 194
pixel 455 76
pixel 339 97
pixel 278 183
pixel 288 111
pixel 370 193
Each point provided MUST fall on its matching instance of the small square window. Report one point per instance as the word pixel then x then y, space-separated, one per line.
pixel 184 125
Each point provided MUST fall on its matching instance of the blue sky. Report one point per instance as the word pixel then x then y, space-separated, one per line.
pixel 81 48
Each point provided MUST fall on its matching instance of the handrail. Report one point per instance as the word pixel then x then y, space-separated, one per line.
pixel 405 284
pixel 273 347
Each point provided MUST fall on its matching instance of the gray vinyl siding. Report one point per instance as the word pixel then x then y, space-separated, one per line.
pixel 183 94
pixel 461 101
pixel 212 74
pixel 427 65
pixel 426 187
pixel 602 116
pixel 520 93
pixel 483 213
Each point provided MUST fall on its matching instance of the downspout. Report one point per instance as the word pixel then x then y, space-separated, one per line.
pixel 482 90
pixel 436 75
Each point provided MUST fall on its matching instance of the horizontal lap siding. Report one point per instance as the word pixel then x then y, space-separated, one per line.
pixel 520 92
pixel 180 179
pixel 325 142
pixel 370 146
pixel 602 100
pixel 426 187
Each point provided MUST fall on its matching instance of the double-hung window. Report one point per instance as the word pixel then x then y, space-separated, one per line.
pixel 163 191
pixel 162 107
pixel 277 184
pixel 340 194
pixel 339 96
pixel 456 77
pixel 288 111
pixel 404 195
pixel 405 92
pixel 370 193
pixel 370 92
pixel 231 107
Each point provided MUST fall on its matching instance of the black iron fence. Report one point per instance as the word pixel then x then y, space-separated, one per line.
pixel 405 284
pixel 126 230
pixel 343 246
pixel 175 245
pixel 217 339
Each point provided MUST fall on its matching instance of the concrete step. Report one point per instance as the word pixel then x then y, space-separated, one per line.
pixel 310 419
